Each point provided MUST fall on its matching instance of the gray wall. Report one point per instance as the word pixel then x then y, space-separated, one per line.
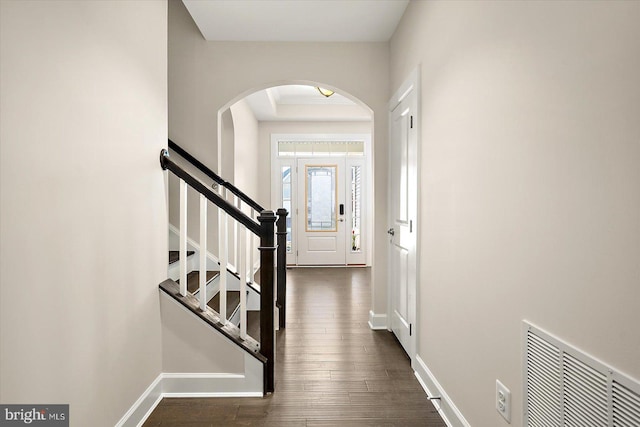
pixel 205 77
pixel 82 203
pixel 530 186
pixel 245 147
pixel 191 346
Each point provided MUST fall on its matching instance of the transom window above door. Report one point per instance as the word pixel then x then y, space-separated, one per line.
pixel 320 148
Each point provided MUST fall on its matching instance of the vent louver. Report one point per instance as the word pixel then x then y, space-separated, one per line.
pixel 626 406
pixel 566 387
pixel 585 395
pixel 544 393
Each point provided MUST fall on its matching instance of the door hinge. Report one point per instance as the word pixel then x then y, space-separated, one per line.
pixel 297 253
pixel 410 327
pixel 410 226
pixel 411 120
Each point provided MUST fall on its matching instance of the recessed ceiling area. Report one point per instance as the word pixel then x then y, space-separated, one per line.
pixel 302 20
pixel 304 103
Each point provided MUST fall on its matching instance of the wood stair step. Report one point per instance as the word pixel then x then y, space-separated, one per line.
pixel 253 324
pixel 233 301
pixel 175 255
pixel 193 279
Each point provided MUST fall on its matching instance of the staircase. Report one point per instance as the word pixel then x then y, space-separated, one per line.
pixel 213 298
pixel 243 306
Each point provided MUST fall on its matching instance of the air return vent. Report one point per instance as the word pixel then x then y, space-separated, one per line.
pixel 566 387
pixel 626 406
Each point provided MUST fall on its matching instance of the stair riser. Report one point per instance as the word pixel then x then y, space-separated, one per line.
pixel 235 319
pixel 253 298
pixel 174 269
pixel 213 287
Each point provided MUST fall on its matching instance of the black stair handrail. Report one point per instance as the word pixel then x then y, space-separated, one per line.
pixel 214 176
pixel 235 213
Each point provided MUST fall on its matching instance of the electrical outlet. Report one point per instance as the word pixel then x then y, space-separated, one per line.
pixel 503 401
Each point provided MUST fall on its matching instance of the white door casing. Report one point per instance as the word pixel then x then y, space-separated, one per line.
pixel 403 214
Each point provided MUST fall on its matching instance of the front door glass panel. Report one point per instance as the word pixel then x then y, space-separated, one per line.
pixel 321 197
pixel 356 207
pixel 286 200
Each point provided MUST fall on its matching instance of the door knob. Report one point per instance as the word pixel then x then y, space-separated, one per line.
pixel 391 231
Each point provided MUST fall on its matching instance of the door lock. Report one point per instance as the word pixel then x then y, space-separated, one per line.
pixel 391 231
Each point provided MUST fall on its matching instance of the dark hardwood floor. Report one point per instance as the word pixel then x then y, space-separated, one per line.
pixel 331 369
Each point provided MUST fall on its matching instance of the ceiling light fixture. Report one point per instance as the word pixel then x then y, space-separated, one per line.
pixel 326 92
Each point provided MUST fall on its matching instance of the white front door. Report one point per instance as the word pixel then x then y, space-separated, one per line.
pixel 321 211
pixel 403 158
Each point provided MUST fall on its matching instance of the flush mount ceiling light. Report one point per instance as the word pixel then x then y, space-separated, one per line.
pixel 325 92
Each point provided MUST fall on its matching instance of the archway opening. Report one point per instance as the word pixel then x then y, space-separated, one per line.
pixel 288 145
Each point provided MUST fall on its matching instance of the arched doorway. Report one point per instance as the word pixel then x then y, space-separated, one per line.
pixel 289 139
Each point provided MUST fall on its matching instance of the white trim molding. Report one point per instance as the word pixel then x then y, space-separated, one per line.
pixel 377 321
pixel 208 385
pixel 144 406
pixel 195 385
pixel 445 406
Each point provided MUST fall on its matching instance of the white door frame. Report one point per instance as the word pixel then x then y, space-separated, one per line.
pixel 278 162
pixel 411 87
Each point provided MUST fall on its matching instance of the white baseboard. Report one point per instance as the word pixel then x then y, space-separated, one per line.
pixel 209 385
pixel 377 321
pixel 248 384
pixel 143 407
pixel 445 406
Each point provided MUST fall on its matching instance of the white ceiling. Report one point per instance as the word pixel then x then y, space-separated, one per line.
pixel 303 103
pixel 297 20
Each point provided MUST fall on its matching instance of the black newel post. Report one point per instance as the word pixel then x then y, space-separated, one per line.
pixel 281 264
pixel 267 248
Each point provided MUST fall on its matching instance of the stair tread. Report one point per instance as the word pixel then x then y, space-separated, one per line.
pixel 253 324
pixel 193 279
pixel 233 301
pixel 175 255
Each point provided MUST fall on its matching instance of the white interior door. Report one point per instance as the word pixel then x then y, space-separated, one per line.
pixel 321 211
pixel 403 194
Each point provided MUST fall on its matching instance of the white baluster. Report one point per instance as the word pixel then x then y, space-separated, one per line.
pixel 203 252
pixel 223 251
pixel 242 242
pixel 252 242
pixel 236 231
pixel 183 238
